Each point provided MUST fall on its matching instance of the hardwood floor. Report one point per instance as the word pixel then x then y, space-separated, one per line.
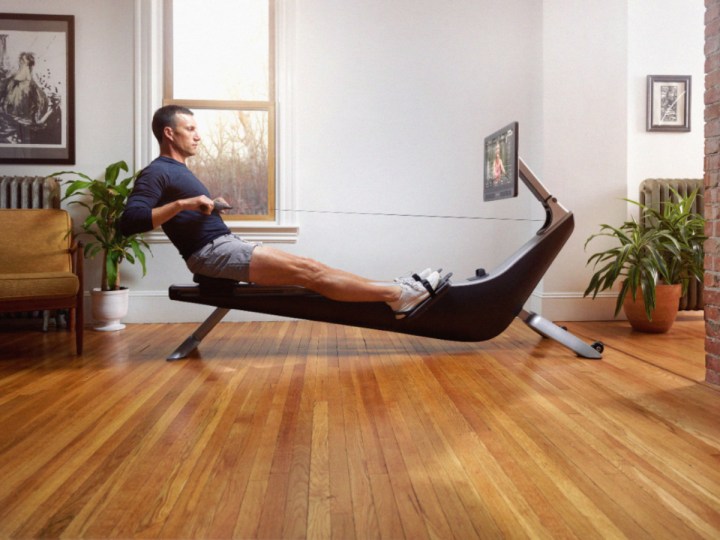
pixel 298 429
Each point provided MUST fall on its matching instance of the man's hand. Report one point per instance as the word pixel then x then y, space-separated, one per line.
pixel 220 205
pixel 200 203
pixel 208 206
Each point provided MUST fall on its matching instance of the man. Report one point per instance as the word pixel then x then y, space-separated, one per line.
pixel 167 194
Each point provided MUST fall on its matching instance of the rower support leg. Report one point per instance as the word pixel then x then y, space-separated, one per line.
pixel 550 330
pixel 191 343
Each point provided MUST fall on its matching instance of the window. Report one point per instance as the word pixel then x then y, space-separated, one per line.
pixel 219 60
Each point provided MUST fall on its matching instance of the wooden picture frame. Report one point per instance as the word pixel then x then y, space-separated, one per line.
pixel 37 88
pixel 668 102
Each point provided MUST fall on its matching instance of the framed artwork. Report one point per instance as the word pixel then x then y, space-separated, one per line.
pixel 668 102
pixel 37 90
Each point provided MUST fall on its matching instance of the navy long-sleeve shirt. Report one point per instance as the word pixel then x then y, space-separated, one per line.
pixel 163 181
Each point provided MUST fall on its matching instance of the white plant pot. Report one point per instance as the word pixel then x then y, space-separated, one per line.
pixel 108 307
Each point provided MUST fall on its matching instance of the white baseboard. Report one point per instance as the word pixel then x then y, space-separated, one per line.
pixel 571 306
pixel 156 307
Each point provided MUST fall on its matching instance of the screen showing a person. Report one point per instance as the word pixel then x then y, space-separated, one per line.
pixel 501 164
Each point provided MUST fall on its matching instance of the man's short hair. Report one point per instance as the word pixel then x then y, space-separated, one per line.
pixel 164 117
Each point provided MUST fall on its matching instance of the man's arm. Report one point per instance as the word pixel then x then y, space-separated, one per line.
pixel 140 217
pixel 162 214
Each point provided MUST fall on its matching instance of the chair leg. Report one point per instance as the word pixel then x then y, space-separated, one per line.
pixel 79 340
pixel 76 323
pixel 78 314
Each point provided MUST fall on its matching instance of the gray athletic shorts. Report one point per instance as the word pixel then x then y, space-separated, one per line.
pixel 226 257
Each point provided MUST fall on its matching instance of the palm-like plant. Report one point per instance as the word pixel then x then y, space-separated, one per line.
pixel 684 256
pixel 105 200
pixel 665 245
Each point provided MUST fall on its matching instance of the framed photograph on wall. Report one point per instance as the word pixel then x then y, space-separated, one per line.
pixel 668 102
pixel 37 90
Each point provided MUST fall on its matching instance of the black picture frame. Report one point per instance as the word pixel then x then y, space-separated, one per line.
pixel 668 102
pixel 37 88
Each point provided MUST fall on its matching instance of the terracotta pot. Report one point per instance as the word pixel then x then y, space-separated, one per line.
pixel 667 302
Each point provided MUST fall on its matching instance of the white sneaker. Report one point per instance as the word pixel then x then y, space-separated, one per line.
pixel 413 292
pixel 415 276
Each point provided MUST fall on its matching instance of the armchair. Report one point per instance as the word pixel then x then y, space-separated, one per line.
pixel 41 265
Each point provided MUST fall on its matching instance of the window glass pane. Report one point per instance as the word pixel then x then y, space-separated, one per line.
pixel 220 49
pixel 232 160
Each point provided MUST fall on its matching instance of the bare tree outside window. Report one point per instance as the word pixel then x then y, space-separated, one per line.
pixel 233 158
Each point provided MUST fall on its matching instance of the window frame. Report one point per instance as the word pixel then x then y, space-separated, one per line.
pixel 148 93
pixel 268 106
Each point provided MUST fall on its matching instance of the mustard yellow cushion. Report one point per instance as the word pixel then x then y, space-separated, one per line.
pixel 34 240
pixel 38 285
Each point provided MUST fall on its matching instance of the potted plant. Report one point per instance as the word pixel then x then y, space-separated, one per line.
pixel 105 201
pixel 657 255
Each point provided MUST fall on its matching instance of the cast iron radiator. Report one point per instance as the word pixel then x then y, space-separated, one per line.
pixel 653 192
pixel 29 192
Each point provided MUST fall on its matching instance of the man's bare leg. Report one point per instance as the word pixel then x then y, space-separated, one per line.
pixel 270 266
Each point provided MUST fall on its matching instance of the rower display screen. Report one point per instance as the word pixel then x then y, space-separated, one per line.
pixel 501 164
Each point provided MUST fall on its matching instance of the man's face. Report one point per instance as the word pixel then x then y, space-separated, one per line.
pixel 184 137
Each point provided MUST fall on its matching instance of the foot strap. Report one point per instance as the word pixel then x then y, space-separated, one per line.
pixel 425 283
pixel 443 286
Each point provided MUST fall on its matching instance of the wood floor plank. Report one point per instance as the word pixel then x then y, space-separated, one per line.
pixel 217 474
pixel 677 351
pixel 526 461
pixel 319 491
pixel 589 459
pixel 54 465
pixel 365 520
pixel 274 442
pixel 445 474
pixel 522 464
pixel 649 454
pixel 299 429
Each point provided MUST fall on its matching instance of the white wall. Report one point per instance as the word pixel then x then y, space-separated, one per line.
pixel 390 101
pixel 670 44
pixel 596 150
pixel 584 133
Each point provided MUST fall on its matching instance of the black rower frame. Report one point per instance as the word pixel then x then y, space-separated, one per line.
pixel 476 309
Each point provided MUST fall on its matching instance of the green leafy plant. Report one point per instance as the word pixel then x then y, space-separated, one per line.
pixel 105 201
pixel 664 246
